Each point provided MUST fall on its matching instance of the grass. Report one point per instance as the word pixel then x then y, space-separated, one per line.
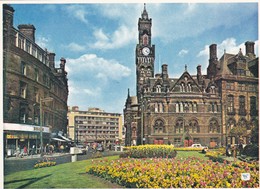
pixel 69 175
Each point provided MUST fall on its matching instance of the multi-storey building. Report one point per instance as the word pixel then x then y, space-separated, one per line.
pixel 35 92
pixel 201 108
pixel 94 125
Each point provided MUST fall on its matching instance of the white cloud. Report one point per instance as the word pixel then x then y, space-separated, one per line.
pixel 121 37
pixel 92 91
pixel 75 47
pixel 43 42
pixel 189 20
pixel 78 12
pixel 98 67
pixel 229 45
pixel 183 52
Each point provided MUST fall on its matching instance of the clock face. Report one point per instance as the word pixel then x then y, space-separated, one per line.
pixel 146 51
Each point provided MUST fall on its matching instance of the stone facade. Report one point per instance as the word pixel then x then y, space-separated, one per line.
pixel 35 92
pixel 197 107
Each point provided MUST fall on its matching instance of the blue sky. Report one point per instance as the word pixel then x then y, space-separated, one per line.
pixel 99 40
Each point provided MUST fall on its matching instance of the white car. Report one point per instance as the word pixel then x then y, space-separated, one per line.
pixel 204 148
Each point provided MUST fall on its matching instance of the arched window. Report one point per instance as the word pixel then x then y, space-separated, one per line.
pixel 177 107
pixel 159 126
pixel 179 126
pixel 145 39
pixel 195 107
pixel 158 88
pixel 194 126
pixel 214 126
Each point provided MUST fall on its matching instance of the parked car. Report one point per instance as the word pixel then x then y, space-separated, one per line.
pixel 203 148
pixel 82 148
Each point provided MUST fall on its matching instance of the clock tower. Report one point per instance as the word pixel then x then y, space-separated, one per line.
pixel 145 52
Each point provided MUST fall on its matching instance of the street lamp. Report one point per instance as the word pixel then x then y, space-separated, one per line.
pixel 48 99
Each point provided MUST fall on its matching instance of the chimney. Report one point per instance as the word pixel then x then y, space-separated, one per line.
pixel 51 59
pixel 250 51
pixel 62 63
pixel 199 77
pixel 213 52
pixel 165 71
pixel 8 15
pixel 28 30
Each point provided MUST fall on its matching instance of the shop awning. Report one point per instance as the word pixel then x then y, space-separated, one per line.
pixel 59 139
pixel 65 138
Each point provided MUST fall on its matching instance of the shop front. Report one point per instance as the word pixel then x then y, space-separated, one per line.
pixel 18 136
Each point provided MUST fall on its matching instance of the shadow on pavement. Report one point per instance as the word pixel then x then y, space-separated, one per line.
pixel 30 181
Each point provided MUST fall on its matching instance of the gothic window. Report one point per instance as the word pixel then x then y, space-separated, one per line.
pixel 230 104
pixel 149 73
pixel 253 105
pixel 189 88
pixel 195 108
pixel 133 132
pixel 212 89
pixel 145 39
pixel 181 106
pixel 214 107
pixel 182 87
pixel 142 72
pixel 158 88
pixel 186 107
pixel 214 126
pixel 194 126
pixel 179 126
pixel 242 110
pixel 177 107
pixel 159 126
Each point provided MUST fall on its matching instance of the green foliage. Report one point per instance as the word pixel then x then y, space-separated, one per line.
pixel 150 151
pixel 251 150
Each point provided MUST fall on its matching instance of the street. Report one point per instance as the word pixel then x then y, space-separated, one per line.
pixel 14 164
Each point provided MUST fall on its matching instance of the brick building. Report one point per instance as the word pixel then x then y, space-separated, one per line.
pixel 201 108
pixel 35 92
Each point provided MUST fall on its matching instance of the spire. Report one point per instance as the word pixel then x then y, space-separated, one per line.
pixel 128 95
pixel 144 14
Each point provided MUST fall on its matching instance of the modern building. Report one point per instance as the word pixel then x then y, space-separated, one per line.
pixel 35 92
pixel 199 108
pixel 94 125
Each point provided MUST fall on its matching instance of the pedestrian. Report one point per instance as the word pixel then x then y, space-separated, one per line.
pixel 33 150
pixel 25 150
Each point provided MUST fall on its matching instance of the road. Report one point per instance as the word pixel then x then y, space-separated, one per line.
pixel 14 164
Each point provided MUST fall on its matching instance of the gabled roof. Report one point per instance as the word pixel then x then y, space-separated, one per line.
pixel 186 78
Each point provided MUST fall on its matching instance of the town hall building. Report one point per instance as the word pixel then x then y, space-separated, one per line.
pixel 197 108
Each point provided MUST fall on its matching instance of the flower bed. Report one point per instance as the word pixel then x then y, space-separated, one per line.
pixel 45 163
pixel 216 155
pixel 167 173
pixel 154 151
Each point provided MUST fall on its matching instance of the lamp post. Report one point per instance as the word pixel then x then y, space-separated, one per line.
pixel 48 99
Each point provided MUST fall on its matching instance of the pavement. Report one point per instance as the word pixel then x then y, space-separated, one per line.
pixel 36 156
pixel 15 164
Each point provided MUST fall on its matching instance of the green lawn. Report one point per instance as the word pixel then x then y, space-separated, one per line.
pixel 68 175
